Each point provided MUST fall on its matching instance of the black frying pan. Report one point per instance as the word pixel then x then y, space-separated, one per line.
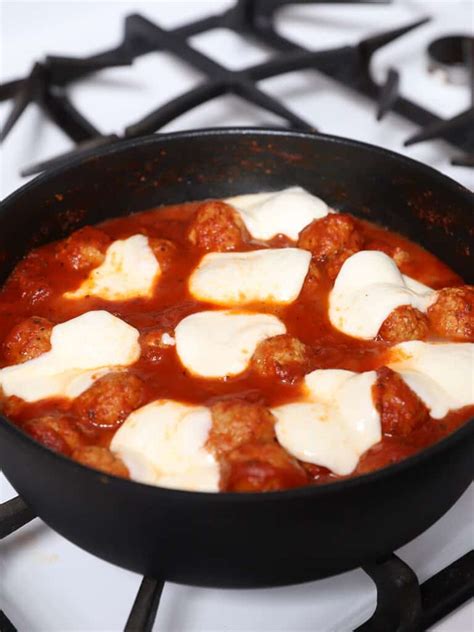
pixel 241 540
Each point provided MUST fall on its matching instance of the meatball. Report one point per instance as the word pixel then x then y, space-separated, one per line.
pixel 154 343
pixel 398 254
pixel 318 473
pixel 332 240
pixel 236 422
pixel 28 340
pixel 84 249
pixel 404 323
pixel 12 406
pixel 164 251
pixel 282 357
pixel 56 432
pixel 401 410
pixel 389 452
pixel 452 316
pixel 110 400
pixel 100 459
pixel 261 468
pixel 29 278
pixel 313 279
pixel 216 226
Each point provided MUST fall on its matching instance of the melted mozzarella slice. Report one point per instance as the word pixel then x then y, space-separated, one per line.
pixel 235 278
pixel 219 344
pixel 130 270
pixel 367 289
pixel 82 350
pixel 163 444
pixel 442 375
pixel 286 212
pixel 336 422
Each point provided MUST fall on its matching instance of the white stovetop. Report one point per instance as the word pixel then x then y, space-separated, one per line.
pixel 48 584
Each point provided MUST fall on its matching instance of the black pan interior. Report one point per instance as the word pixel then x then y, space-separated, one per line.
pixel 352 177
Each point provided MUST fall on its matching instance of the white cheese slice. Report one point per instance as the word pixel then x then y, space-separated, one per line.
pixel 219 344
pixel 273 275
pixel 335 423
pixel 130 270
pixel 286 212
pixel 163 444
pixel 82 350
pixel 367 289
pixel 441 374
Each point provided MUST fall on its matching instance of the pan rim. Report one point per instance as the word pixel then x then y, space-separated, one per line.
pixel 298 492
pixel 94 153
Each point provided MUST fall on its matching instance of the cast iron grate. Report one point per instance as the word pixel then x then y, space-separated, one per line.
pixel 47 83
pixel 403 605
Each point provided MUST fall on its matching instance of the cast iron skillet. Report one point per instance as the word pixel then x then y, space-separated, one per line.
pixel 240 540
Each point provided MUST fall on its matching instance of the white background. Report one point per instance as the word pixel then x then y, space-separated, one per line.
pixel 50 585
pixel 119 96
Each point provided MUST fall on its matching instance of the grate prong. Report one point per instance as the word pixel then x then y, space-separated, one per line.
pixel 174 108
pixel 14 514
pixel 388 94
pixel 27 92
pixel 441 127
pixel 145 606
pixel 372 44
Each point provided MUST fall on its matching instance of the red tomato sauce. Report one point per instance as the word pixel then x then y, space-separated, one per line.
pixel 44 279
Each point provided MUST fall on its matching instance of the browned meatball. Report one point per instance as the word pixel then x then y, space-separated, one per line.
pixel 317 473
pixel 83 249
pixel 332 240
pixel 28 340
pixel 164 250
pixel 152 344
pixel 313 279
pixel 56 432
pixel 398 254
pixel 110 400
pixel 391 451
pixel 29 278
pixel 404 323
pixel 452 316
pixel 236 422
pixel 283 357
pixel 12 406
pixel 401 410
pixel 100 459
pixel 261 468
pixel 216 227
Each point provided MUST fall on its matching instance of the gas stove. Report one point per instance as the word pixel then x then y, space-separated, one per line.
pixel 251 63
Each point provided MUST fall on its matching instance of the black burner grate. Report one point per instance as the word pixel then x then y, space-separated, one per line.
pixel 402 604
pixel 47 82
